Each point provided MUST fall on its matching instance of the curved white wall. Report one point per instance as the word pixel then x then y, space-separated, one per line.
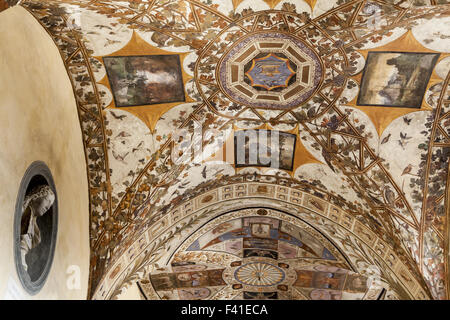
pixel 39 121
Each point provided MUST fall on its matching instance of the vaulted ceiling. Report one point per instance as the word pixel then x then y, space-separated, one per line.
pixel 359 92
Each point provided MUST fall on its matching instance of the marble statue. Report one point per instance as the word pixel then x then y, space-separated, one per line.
pixel 36 204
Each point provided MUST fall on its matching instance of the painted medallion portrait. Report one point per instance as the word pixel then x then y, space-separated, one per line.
pixel 396 79
pixel 145 80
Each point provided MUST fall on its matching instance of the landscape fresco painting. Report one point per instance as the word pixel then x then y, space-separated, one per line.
pixel 396 79
pixel 257 146
pixel 145 80
pixel 287 151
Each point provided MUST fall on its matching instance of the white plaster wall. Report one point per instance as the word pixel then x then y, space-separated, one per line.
pixel 39 121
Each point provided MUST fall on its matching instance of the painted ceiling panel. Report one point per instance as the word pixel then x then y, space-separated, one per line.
pixel 358 89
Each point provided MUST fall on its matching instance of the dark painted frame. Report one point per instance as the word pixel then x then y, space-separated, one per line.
pixel 428 76
pixel 291 168
pixel 180 73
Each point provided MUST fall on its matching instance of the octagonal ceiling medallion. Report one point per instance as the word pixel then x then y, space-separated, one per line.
pixel 269 70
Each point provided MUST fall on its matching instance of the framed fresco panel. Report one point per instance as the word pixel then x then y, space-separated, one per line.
pixel 145 80
pixel 264 148
pixel 396 79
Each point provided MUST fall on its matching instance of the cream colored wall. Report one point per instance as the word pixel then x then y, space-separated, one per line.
pixel 39 121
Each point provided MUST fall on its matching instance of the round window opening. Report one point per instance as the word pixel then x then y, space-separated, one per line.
pixel 35 227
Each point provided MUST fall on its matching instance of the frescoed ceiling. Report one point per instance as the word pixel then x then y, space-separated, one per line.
pixel 257 258
pixel 358 91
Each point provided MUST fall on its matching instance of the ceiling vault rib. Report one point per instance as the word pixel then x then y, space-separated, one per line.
pixel 80 109
pixel 379 164
pixel 447 232
pixel 354 44
pixel 432 145
pixel 102 124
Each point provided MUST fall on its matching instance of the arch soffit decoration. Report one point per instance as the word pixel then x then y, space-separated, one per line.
pixel 184 222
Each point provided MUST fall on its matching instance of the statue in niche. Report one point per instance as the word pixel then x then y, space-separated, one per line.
pixel 36 204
